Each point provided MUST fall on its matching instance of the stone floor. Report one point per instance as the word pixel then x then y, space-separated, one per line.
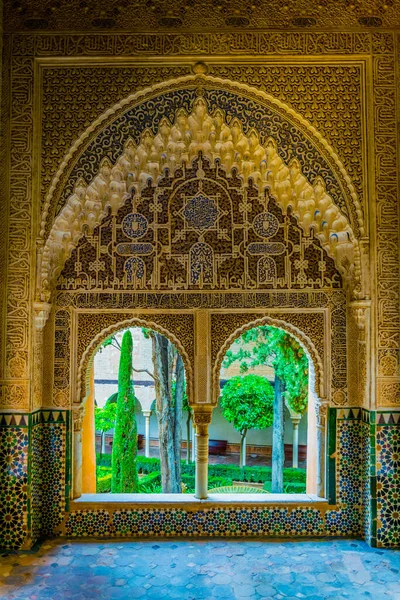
pixel 315 570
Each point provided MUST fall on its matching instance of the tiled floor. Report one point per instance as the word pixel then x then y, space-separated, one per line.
pixel 314 570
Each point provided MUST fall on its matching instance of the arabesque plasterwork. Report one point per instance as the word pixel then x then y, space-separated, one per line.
pixel 347 117
pixel 297 86
pixel 259 167
pixel 378 45
pixel 221 17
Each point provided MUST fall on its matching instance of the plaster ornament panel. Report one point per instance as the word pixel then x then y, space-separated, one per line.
pixel 389 362
pixel 14 394
pixel 162 14
pixel 199 230
pixel 18 308
pixel 313 206
pixel 337 87
pixel 387 194
pixel 94 328
pixel 388 392
pixel 62 359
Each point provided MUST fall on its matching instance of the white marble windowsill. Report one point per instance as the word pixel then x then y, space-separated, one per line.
pixel 213 499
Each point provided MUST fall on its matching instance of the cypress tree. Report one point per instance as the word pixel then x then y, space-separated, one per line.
pixel 124 449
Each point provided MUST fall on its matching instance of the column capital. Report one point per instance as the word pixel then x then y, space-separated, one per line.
pixel 78 413
pixel 359 309
pixel 321 412
pixel 147 413
pixel 41 312
pixel 202 415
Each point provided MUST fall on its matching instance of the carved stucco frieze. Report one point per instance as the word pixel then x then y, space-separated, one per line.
pixel 380 44
pixel 157 150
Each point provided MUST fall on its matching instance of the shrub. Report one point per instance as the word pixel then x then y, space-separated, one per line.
pixel 294 478
pixel 294 488
pixel 124 448
pixel 103 484
pixel 150 483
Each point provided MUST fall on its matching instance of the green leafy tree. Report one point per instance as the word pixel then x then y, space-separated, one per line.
pixel 104 420
pixel 265 345
pixel 247 403
pixel 124 450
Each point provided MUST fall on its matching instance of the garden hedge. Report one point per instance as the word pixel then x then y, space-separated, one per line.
pixel 294 479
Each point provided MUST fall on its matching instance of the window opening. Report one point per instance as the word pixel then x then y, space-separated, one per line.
pixel 259 430
pixel 142 421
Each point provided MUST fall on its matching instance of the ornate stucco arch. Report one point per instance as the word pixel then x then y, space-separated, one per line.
pixel 317 375
pixel 178 139
pixel 86 361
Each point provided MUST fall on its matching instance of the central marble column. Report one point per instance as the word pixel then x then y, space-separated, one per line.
pixel 201 421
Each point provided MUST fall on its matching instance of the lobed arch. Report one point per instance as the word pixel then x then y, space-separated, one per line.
pixel 86 361
pixel 219 140
pixel 317 383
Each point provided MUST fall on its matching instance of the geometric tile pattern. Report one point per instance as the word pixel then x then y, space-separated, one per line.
pixel 346 518
pixel 14 452
pixel 366 474
pixel 35 472
pixel 33 464
pixel 271 521
pixel 36 491
pixel 49 460
pixel 388 479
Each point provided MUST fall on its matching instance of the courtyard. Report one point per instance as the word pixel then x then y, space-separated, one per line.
pixel 281 570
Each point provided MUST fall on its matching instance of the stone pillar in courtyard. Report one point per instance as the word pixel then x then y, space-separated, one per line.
pixel 147 415
pixel 77 420
pixel 202 421
pixel 89 442
pixel 41 314
pixel 295 418
pixel 321 414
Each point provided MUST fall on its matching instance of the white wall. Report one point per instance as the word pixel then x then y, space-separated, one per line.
pixel 220 429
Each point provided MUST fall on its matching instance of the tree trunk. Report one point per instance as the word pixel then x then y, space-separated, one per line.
pixel 243 448
pixel 188 436
pixel 278 446
pixel 169 410
pixel 178 414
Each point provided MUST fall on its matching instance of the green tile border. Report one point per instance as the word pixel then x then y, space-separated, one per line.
pixel 331 456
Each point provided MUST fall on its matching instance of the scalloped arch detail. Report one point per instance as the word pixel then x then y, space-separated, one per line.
pixel 83 374
pixel 316 373
pixel 180 141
